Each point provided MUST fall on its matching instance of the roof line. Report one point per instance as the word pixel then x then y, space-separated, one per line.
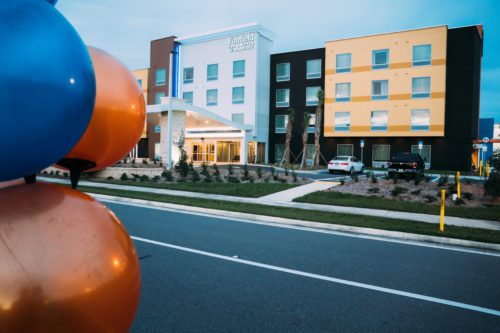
pixel 388 33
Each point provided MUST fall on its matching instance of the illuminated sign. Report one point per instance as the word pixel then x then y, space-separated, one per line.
pixel 242 43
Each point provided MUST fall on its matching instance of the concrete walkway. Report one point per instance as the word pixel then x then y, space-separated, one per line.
pixel 299 191
pixel 449 220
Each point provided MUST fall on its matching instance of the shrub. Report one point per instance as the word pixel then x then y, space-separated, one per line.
pixel 230 169
pixel 246 173
pixel 275 175
pixel 468 195
pixel 286 170
pixel 195 176
pixel 136 176
pixel 110 178
pixel 182 166
pixel 65 174
pixel 259 172
pixel 167 174
pixel 398 190
pixel 443 180
pixel 216 169
pixel 459 202
pixel 133 161
pixel 373 190
pixel 156 178
pixel 218 179
pixel 294 175
pixel 373 178
pixel 57 172
pixel 233 179
pixel 124 177
pixel 492 184
pixel 354 177
pixel 429 198
pixel 208 178
pixel 416 192
pixel 51 172
pixel 144 178
pixel 144 161
pixel 204 169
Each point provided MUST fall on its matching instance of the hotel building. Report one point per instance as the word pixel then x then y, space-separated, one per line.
pixel 414 90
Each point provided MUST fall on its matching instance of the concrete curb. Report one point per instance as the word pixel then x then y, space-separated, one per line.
pixel 309 224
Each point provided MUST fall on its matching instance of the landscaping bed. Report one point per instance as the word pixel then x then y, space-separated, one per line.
pixel 416 196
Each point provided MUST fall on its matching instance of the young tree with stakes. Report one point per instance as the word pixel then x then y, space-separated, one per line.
pixel 303 163
pixel 286 155
pixel 317 124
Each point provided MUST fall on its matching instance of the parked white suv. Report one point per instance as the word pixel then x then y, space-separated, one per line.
pixel 348 164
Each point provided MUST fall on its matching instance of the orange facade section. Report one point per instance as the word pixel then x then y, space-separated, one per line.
pixel 399 73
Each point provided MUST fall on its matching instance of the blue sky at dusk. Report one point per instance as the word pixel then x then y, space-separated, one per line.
pixel 125 27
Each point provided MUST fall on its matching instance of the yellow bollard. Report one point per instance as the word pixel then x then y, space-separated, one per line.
pixel 481 168
pixel 458 184
pixel 487 173
pixel 441 219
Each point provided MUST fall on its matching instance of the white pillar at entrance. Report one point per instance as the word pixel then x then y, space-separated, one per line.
pixel 170 114
pixel 244 149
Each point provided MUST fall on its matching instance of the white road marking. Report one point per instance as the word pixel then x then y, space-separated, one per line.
pixel 327 278
pixel 302 228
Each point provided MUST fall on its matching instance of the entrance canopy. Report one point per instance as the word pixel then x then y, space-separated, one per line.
pixel 198 119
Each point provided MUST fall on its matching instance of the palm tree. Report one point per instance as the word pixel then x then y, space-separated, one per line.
pixel 286 155
pixel 303 163
pixel 318 121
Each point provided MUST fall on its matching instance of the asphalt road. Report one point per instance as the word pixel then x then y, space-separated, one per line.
pixel 206 274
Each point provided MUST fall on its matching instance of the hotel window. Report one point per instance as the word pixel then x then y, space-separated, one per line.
pixel 188 96
pixel 343 63
pixel 420 120
pixel 158 97
pixel 313 69
pixel 239 68
pixel 379 120
pixel 380 59
pixel 312 96
pixel 342 92
pixel 381 153
pixel 139 82
pixel 425 153
pixel 380 90
pixel 188 75
pixel 212 72
pixel 157 129
pixel 342 121
pixel 282 98
pixel 279 151
pixel 344 150
pixel 211 97
pixel 421 55
pixel 161 76
pixel 421 87
pixel 281 123
pixel 311 128
pixel 283 72
pixel 238 95
pixel 238 118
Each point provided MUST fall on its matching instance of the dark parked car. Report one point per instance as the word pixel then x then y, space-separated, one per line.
pixel 406 163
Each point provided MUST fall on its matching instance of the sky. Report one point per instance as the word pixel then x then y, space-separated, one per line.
pixel 124 28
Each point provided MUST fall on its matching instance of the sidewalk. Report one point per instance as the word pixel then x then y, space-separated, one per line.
pixel 281 202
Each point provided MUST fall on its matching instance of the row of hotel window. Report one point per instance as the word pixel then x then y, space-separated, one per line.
pixel 419 121
pixel 421 56
pixel 420 88
pixel 380 153
pixel 238 96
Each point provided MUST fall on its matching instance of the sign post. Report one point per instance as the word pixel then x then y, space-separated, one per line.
pixel 458 184
pixel 362 145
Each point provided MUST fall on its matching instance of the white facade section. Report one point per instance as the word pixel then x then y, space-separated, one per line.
pixel 250 43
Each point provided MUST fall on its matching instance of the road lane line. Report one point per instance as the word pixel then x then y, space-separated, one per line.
pixel 309 229
pixel 326 278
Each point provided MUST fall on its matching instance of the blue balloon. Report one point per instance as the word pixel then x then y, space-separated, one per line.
pixel 47 87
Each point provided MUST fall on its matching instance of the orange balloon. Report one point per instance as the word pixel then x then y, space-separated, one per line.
pixel 118 118
pixel 67 264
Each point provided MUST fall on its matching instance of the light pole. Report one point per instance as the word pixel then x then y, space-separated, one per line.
pixel 362 145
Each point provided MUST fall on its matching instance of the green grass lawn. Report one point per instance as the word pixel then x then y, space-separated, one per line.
pixel 249 190
pixel 345 199
pixel 311 215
